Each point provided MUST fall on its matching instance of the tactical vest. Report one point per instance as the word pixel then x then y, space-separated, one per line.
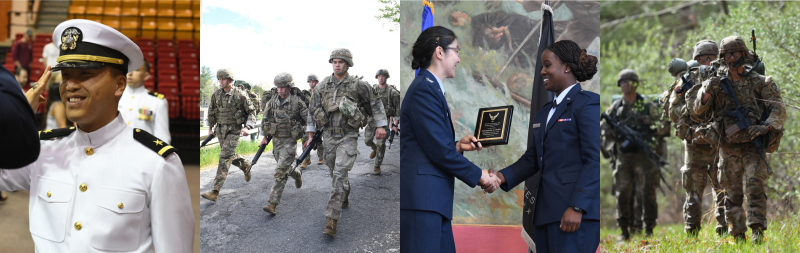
pixel 634 121
pixel 385 97
pixel 283 121
pixel 746 93
pixel 339 109
pixel 229 111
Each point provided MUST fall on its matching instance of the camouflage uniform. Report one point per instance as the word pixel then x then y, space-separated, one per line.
pixel 229 111
pixel 632 167
pixel 739 162
pixel 306 95
pixel 284 120
pixel 390 98
pixel 245 87
pixel 335 105
pixel 700 158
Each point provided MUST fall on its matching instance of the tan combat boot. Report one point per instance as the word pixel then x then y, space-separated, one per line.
pixel 330 228
pixel 298 180
pixel 212 195
pixel 271 209
pixel 247 173
pixel 372 155
pixel 305 163
pixel 320 162
pixel 376 170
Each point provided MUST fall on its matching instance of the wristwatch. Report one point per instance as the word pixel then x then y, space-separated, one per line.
pixel 577 209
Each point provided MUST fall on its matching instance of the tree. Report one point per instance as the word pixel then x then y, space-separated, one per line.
pixel 390 12
pixel 207 86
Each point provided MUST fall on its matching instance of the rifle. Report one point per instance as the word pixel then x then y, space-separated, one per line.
pixel 307 151
pixel 687 84
pixel 742 121
pixel 391 135
pixel 632 137
pixel 210 136
pixel 258 154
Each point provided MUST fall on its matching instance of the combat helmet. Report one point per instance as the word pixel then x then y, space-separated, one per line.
pixel 382 72
pixel 705 47
pixel 342 53
pixel 312 77
pixel 676 66
pixel 225 73
pixel 284 80
pixel 627 74
pixel 242 83
pixel 732 44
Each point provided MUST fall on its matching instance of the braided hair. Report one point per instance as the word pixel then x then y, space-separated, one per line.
pixel 583 65
pixel 426 44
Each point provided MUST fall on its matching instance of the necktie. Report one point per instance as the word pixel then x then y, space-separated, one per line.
pixel 553 105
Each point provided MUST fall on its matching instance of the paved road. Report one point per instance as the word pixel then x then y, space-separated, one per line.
pixel 237 223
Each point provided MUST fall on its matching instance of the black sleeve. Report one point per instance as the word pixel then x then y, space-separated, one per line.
pixel 17 125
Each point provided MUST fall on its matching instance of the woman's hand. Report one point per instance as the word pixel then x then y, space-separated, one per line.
pixel 466 144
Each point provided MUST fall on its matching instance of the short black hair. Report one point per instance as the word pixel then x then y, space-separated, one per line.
pixel 18 71
pixel 146 66
pixel 426 44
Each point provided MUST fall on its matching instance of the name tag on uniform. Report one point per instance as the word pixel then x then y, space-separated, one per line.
pixel 536 125
pixel 563 120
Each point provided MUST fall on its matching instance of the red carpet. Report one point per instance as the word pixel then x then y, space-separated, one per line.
pixel 481 239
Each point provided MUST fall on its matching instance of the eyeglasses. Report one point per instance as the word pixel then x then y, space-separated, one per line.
pixel 736 54
pixel 457 49
pixel 707 58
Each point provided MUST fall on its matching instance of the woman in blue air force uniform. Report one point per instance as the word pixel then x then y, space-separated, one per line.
pixel 430 158
pixel 566 149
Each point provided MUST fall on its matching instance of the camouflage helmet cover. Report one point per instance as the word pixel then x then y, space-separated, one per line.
pixel 382 72
pixel 627 74
pixel 284 80
pixel 225 73
pixel 342 53
pixel 312 77
pixel 242 83
pixel 732 44
pixel 705 47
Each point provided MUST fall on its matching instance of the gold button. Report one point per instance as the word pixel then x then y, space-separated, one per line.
pixel 130 109
pixel 129 122
pixel 131 96
pixel 83 187
pixel 78 226
pixel 120 205
pixel 48 194
pixel 89 151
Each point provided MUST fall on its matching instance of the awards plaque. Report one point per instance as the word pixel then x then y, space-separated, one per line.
pixel 494 124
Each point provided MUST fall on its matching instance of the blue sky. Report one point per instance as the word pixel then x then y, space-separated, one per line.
pixel 259 39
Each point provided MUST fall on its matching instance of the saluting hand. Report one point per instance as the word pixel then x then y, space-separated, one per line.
pixel 34 94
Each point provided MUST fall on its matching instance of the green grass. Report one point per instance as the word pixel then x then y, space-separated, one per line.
pixel 781 236
pixel 209 155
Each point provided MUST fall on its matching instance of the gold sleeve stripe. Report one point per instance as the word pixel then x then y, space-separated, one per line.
pixel 161 152
pixel 84 57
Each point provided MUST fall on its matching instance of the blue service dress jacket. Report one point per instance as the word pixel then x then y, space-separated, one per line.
pixel 429 162
pixel 567 151
pixel 17 123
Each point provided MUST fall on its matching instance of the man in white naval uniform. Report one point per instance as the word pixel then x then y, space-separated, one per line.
pixel 144 109
pixel 102 186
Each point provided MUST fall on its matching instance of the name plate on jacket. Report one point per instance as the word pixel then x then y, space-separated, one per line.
pixel 494 125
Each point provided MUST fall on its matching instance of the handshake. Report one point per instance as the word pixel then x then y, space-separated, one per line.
pixel 490 180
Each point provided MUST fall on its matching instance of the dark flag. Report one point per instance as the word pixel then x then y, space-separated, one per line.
pixel 539 98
